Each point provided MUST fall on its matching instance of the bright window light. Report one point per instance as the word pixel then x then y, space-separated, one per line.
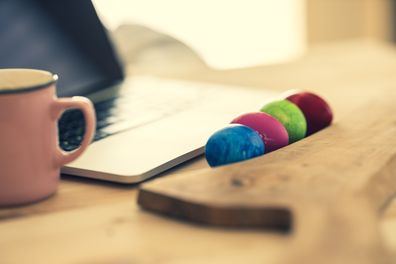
pixel 226 34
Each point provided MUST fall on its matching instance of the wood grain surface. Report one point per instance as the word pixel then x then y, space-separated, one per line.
pixel 356 155
pixel 93 222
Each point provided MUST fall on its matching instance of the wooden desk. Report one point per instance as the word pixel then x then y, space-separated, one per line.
pixel 95 222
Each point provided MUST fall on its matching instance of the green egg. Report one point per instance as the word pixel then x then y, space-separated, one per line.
pixel 290 116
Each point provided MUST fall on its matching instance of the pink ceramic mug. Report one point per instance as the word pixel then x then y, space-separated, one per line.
pixel 30 157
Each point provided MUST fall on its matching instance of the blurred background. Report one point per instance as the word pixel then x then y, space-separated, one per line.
pixel 163 36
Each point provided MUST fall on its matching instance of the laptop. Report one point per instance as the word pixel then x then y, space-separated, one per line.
pixel 145 125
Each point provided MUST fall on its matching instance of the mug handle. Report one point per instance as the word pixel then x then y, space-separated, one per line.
pixel 85 105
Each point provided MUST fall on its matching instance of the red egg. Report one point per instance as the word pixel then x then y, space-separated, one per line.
pixel 273 133
pixel 316 110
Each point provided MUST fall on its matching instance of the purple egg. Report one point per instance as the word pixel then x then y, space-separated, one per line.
pixel 273 133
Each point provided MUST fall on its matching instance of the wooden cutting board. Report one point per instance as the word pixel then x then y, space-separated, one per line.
pixel 327 188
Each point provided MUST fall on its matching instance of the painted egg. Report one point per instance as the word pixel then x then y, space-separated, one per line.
pixel 317 111
pixel 272 132
pixel 232 144
pixel 291 117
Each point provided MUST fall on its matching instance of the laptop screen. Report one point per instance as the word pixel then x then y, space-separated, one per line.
pixel 64 37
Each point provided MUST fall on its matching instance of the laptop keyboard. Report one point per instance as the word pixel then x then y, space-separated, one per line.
pixel 135 107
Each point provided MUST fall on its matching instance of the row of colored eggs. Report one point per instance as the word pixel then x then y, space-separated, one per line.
pixel 279 123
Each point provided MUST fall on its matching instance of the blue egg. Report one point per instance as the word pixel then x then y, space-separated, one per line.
pixel 232 144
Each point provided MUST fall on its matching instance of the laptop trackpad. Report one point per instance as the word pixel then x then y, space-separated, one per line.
pixel 145 151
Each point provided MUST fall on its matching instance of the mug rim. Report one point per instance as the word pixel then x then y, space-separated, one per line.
pixel 29 88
